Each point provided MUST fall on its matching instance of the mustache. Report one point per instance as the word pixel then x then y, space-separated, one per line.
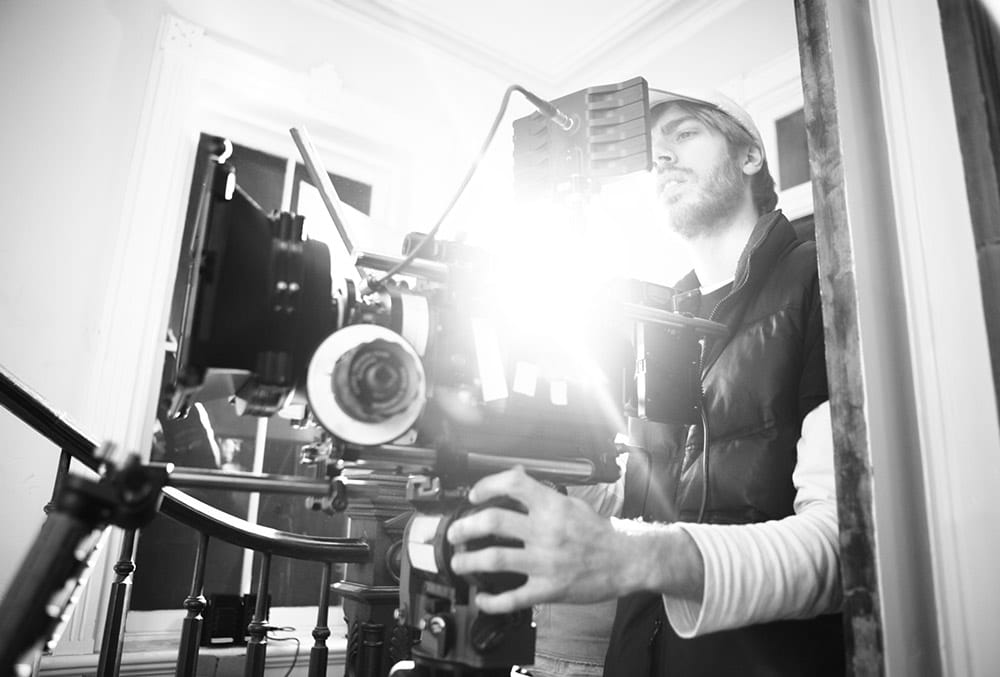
pixel 673 174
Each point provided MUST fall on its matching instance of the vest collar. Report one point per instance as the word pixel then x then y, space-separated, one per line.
pixel 770 235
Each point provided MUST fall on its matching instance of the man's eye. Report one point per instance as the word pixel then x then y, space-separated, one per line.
pixel 685 134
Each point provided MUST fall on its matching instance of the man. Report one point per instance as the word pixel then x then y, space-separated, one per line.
pixel 728 564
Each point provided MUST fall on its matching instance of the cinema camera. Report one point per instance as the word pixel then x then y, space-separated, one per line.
pixel 418 389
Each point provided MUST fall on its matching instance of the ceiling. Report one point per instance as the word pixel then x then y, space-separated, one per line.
pixel 546 43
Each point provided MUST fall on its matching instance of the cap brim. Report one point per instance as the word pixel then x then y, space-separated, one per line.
pixel 659 96
pixel 710 98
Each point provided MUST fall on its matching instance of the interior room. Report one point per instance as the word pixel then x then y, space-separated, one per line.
pixel 878 119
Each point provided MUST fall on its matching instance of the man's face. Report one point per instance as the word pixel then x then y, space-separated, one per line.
pixel 698 180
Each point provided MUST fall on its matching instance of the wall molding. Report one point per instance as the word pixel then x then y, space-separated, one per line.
pixel 636 35
pixel 118 407
pixel 212 662
pixel 254 101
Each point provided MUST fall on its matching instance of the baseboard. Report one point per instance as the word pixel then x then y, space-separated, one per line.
pixel 212 662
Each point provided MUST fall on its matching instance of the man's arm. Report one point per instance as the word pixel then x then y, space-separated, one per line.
pixel 571 554
pixel 782 569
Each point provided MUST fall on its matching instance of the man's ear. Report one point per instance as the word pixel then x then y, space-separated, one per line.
pixel 753 160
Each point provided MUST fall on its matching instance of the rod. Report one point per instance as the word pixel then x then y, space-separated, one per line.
pixel 398 454
pixel 327 192
pixel 570 469
pixel 200 478
pixel 431 270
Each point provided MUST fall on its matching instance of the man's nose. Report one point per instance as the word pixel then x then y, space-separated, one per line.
pixel 663 160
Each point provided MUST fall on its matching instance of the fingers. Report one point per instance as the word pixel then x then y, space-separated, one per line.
pixel 514 483
pixel 490 560
pixel 527 595
pixel 542 503
pixel 489 522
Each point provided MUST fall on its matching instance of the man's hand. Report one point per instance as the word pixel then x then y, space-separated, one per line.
pixel 570 554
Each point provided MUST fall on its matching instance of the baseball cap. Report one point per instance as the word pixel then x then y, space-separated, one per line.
pixel 712 98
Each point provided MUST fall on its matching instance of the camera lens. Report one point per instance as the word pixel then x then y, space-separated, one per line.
pixel 374 381
pixel 366 384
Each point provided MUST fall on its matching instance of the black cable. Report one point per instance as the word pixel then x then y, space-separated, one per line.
pixel 704 426
pixel 649 477
pixel 378 284
pixel 704 459
pixel 298 645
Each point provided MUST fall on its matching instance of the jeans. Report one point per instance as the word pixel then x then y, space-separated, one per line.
pixel 546 666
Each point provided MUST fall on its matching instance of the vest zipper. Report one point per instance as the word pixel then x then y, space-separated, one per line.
pixel 657 626
pixel 703 508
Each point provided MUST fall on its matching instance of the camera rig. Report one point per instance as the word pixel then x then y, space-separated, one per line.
pixel 418 390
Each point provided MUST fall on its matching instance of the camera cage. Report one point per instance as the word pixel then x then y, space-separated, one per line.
pixel 259 309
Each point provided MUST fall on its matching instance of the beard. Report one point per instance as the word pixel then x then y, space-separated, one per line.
pixel 703 210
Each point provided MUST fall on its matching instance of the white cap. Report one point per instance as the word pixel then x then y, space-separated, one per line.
pixel 712 98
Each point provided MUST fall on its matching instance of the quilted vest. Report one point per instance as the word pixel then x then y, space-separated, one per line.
pixel 759 382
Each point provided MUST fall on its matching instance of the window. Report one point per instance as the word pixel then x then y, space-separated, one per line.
pixel 793 150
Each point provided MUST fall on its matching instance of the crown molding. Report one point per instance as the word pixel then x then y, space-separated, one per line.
pixel 636 35
pixel 645 37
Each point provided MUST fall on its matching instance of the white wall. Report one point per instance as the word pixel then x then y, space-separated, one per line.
pixel 71 74
pixel 751 35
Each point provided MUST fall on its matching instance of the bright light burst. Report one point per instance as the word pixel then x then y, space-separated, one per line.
pixel 550 277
